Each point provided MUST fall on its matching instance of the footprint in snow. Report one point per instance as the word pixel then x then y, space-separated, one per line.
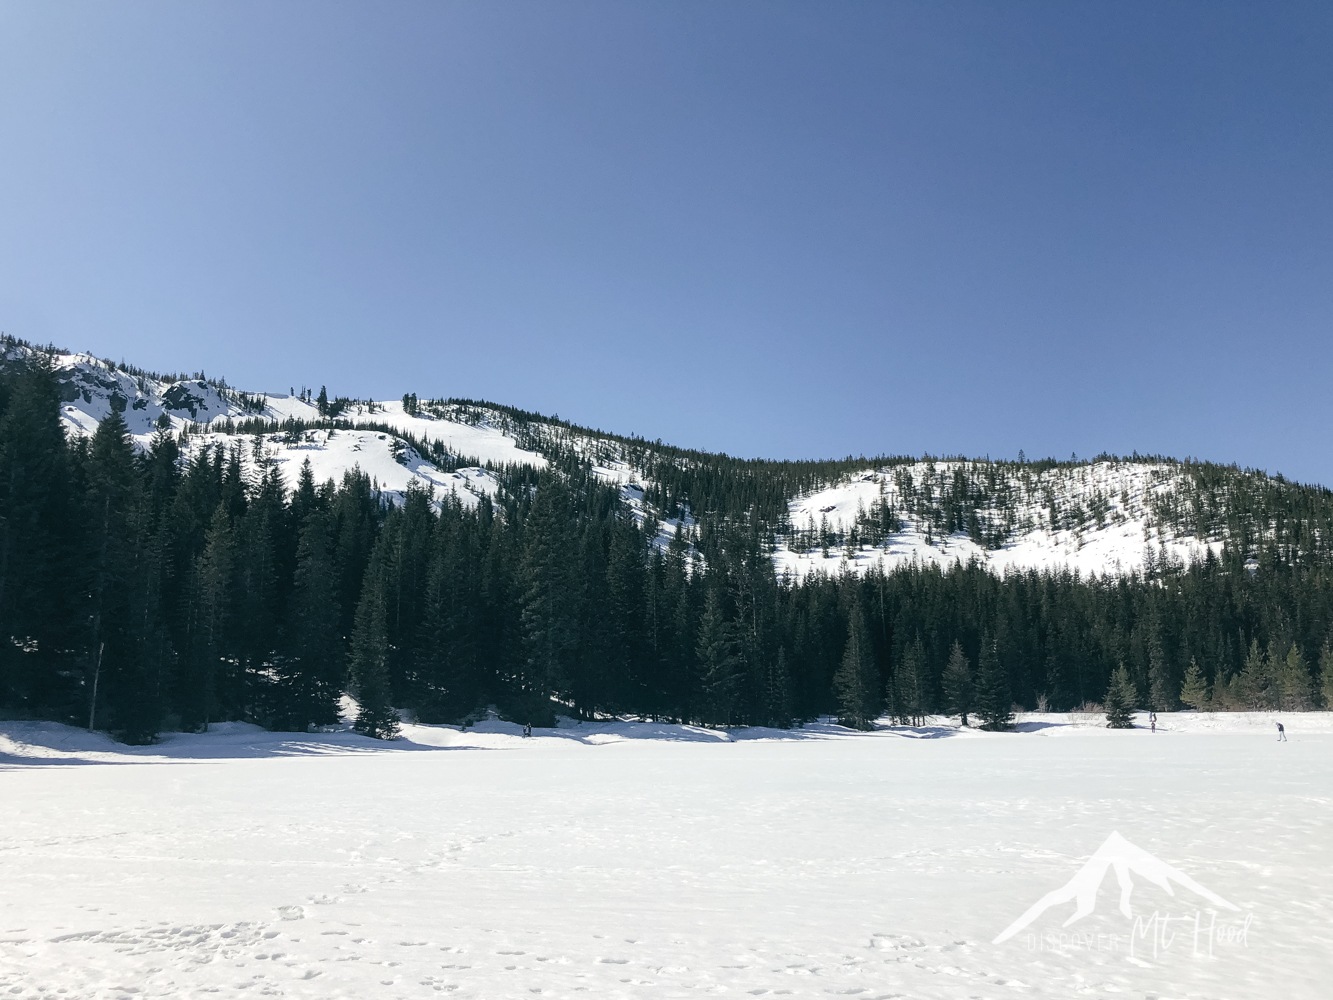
pixel 895 942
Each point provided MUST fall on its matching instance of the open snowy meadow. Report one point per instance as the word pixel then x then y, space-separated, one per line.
pixel 633 860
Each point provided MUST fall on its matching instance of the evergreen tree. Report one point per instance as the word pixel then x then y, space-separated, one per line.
pixel 260 601
pixel 682 629
pixel 913 681
pixel 114 664
pixel 136 700
pixel 1253 687
pixel 369 658
pixel 405 541
pixel 1326 672
pixel 38 549
pixel 1295 686
pixel 448 664
pixel 549 614
pixel 1194 689
pixel 777 693
pixel 626 583
pixel 856 684
pixel 1120 700
pixel 305 498
pixel 1160 685
pixel 994 700
pixel 357 515
pixel 499 636
pixel 957 683
pixel 211 682
pixel 311 675
pixel 719 662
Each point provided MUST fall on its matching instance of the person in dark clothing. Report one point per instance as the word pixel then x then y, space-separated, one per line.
pixel 1281 734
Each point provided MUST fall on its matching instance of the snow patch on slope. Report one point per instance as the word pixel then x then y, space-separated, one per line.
pixel 391 463
pixel 91 390
pixel 481 441
pixel 1114 543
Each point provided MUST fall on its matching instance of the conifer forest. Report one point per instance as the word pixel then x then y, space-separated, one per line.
pixel 168 587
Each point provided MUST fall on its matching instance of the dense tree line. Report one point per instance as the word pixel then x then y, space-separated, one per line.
pixel 170 587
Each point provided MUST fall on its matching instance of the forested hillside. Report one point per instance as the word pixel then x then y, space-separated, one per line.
pixel 170 557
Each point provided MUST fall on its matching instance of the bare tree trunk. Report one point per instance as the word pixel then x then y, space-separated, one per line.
pixel 97 675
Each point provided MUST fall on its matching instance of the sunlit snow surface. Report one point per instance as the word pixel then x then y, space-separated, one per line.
pixel 391 464
pixel 1113 548
pixel 620 860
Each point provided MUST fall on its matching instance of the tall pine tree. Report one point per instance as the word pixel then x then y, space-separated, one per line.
pixel 1194 689
pixel 549 614
pixel 994 700
pixel 369 657
pixel 856 683
pixel 1121 699
pixel 957 683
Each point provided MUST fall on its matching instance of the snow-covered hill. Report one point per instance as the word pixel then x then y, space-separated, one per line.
pixel 205 414
pixel 1101 517
pixel 1091 519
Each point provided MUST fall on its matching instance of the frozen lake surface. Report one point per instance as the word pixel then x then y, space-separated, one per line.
pixel 592 862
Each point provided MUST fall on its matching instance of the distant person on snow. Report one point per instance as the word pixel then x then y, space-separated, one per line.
pixel 527 730
pixel 1281 734
pixel 1152 721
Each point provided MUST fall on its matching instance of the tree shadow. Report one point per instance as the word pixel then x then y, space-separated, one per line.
pixel 1036 727
pixel 925 732
pixel 52 744
pixel 13 762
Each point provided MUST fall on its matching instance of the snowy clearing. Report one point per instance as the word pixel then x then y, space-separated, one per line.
pixel 642 860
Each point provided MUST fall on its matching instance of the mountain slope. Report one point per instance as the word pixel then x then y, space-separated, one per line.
pixel 1107 517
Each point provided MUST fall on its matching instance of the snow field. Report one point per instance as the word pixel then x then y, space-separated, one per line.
pixel 614 860
pixel 1114 549
pixel 144 401
pixel 480 441
pixel 389 462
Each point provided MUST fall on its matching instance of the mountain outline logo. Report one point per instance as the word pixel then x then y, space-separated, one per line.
pixel 1125 859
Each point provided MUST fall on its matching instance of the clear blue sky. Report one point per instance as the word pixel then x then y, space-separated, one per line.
pixel 773 229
